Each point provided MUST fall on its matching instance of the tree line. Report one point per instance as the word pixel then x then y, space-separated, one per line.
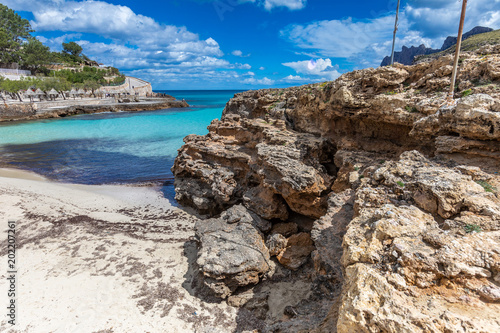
pixel 18 45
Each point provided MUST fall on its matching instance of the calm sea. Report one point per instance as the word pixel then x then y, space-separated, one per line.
pixel 110 148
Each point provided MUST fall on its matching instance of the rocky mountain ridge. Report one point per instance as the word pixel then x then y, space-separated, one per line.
pixel 371 189
pixel 408 54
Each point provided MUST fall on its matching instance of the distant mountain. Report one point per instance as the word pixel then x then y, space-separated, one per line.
pixel 407 54
pixel 450 41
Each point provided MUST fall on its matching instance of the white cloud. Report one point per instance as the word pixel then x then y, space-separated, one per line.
pixel 290 4
pixel 293 78
pixel 339 38
pixel 228 5
pixel 316 67
pixel 260 82
pixel 296 79
pixel 262 68
pixel 239 53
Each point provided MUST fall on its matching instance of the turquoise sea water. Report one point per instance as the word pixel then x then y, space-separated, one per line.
pixel 110 148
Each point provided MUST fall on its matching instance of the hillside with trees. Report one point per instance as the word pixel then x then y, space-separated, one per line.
pixel 60 71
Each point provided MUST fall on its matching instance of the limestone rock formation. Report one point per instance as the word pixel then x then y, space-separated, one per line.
pixel 410 265
pixel 402 186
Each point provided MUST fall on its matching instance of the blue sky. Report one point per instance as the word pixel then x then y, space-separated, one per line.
pixel 245 44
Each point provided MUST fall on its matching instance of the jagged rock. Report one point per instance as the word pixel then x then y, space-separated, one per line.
pixel 276 243
pixel 407 54
pixel 266 203
pixel 402 242
pixel 297 251
pixel 232 252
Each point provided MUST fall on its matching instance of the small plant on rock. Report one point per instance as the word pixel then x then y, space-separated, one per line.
pixel 467 92
pixel 470 228
pixel 411 109
pixel 487 187
pixel 400 184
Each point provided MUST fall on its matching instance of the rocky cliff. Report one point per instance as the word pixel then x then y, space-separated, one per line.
pixel 371 188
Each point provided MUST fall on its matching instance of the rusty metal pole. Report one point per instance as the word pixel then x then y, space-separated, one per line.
pixel 394 36
pixel 457 52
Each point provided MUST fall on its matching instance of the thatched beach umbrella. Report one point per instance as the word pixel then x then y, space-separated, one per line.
pixel 73 93
pixel 81 93
pixel 53 93
pixel 39 93
pixel 30 94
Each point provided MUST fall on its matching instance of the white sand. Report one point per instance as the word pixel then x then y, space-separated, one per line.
pixel 121 266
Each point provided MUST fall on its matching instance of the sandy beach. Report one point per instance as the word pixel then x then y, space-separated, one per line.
pixel 101 259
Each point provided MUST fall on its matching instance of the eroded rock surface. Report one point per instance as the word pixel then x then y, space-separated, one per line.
pixel 410 264
pixel 232 252
pixel 403 188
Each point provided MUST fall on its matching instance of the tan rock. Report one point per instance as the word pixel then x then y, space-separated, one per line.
pixel 297 251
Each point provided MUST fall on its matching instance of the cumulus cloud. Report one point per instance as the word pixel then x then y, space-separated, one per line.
pixel 315 67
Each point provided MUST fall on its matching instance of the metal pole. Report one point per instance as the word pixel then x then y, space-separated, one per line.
pixel 457 52
pixel 394 36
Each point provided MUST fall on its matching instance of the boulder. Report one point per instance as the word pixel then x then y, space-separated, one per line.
pixel 231 251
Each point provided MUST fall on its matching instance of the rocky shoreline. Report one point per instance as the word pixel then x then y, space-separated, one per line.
pixel 371 189
pixel 31 111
